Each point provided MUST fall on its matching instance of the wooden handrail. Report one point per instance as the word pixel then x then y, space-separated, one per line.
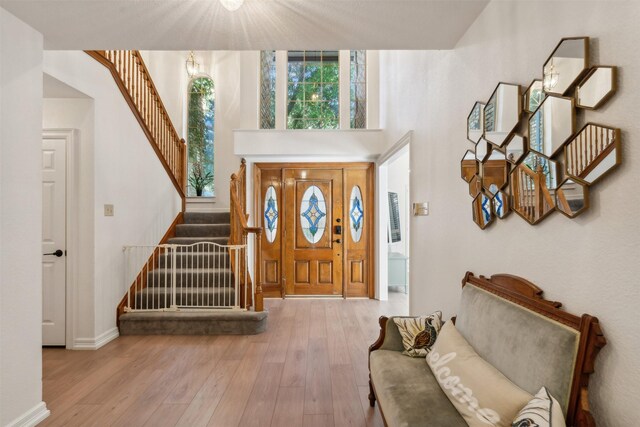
pixel 134 81
pixel 240 231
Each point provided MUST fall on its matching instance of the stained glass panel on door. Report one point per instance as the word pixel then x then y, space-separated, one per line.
pixel 356 214
pixel 313 214
pixel 271 214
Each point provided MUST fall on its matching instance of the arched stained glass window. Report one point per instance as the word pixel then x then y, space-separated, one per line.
pixel 201 121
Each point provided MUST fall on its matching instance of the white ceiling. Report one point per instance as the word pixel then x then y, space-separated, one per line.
pixel 257 25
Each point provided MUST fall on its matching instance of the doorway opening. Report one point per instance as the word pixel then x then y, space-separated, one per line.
pixel 394 221
pixel 68 115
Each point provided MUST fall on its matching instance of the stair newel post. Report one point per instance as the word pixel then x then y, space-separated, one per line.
pixel 245 271
pixel 258 299
pixel 174 305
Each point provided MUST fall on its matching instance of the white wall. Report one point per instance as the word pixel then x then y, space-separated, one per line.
pixel 590 263
pixel 20 222
pixel 125 172
pixel 79 114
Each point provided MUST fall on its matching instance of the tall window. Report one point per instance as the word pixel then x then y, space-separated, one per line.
pixel 268 89
pixel 358 96
pixel 313 90
pixel 201 119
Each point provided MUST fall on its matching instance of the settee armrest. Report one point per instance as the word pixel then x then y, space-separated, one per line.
pixel 390 338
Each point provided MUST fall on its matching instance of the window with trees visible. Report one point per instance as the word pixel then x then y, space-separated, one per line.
pixel 201 120
pixel 268 89
pixel 358 86
pixel 313 88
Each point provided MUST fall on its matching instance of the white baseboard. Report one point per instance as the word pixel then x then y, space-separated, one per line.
pixel 97 342
pixel 32 417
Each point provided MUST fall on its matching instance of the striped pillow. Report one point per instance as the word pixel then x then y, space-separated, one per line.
pixel 541 411
pixel 419 333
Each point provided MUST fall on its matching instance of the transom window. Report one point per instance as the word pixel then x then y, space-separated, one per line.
pixel 358 92
pixel 313 89
pixel 268 89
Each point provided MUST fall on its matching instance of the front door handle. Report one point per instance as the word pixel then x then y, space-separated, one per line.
pixel 57 253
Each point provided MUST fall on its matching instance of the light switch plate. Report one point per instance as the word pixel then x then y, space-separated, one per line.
pixel 421 209
pixel 108 210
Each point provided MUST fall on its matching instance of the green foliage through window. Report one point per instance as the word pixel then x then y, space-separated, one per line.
pixel 201 120
pixel 313 90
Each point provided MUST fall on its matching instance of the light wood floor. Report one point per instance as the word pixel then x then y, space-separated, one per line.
pixel 308 369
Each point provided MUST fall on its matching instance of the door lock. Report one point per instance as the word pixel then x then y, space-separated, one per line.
pixel 337 241
pixel 338 229
pixel 57 253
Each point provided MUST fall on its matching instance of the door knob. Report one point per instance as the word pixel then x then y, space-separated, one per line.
pixel 57 253
pixel 338 241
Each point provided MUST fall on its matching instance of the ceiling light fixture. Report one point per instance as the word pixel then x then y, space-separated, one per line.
pixel 232 5
pixel 192 65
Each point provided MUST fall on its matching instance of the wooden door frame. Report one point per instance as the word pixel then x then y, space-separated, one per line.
pixel 371 206
pixel 70 136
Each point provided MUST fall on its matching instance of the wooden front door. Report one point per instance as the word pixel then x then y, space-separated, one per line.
pixel 313 231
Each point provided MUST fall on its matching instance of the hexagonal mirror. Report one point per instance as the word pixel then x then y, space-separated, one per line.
pixel 495 172
pixel 597 87
pixel 482 210
pixel 475 185
pixel 533 96
pixel 567 63
pixel 533 184
pixel 572 198
pixel 469 166
pixel 516 148
pixel 552 125
pixel 502 113
pixel 482 149
pixel 475 122
pixel 592 153
pixel 500 203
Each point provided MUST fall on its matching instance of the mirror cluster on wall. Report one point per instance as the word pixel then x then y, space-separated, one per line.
pixel 529 156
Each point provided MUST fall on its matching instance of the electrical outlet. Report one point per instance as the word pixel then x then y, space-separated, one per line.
pixel 108 210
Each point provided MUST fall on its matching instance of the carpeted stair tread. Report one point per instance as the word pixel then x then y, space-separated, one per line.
pixel 219 322
pixel 160 297
pixel 195 240
pixel 203 230
pixel 193 277
pixel 188 259
pixel 207 218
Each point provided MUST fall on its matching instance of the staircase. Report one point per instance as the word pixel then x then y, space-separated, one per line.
pixel 204 279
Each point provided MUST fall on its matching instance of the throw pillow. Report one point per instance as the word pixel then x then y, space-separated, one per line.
pixel 541 411
pixel 418 333
pixel 480 393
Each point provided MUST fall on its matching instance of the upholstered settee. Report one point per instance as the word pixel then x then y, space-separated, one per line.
pixel 508 323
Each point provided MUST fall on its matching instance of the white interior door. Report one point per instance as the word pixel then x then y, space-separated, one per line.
pixel 53 241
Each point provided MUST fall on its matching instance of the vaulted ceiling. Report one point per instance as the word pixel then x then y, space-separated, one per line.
pixel 257 25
